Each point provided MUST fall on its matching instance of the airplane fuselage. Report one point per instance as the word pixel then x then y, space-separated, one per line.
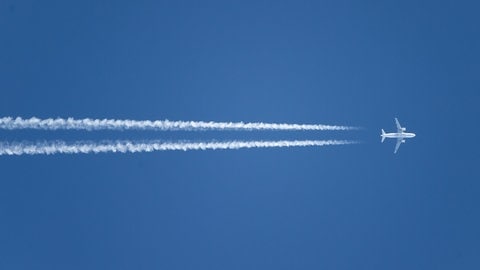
pixel 403 135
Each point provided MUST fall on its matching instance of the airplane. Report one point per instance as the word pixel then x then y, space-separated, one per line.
pixel 400 135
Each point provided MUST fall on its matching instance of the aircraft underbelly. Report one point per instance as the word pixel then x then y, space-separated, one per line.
pixel 398 136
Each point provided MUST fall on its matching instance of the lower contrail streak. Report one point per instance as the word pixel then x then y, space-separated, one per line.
pixel 113 124
pixel 59 147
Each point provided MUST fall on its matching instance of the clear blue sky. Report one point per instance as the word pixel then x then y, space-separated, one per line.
pixel 331 62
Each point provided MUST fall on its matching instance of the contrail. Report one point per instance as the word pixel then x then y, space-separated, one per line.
pixel 60 147
pixel 160 125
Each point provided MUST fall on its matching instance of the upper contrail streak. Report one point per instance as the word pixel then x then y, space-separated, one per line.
pixel 160 125
pixel 50 148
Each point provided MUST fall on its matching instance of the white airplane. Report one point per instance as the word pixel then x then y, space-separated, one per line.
pixel 400 135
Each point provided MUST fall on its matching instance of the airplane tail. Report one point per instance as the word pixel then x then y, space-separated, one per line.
pixel 383 133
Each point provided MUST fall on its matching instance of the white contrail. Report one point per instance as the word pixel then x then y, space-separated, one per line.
pixel 113 124
pixel 59 147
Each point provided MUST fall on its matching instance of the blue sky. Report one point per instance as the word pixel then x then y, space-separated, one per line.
pixel 332 62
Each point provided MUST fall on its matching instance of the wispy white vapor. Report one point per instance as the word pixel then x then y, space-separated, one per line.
pixel 113 124
pixel 59 147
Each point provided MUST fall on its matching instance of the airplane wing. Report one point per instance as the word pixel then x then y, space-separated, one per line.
pixel 399 142
pixel 399 127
